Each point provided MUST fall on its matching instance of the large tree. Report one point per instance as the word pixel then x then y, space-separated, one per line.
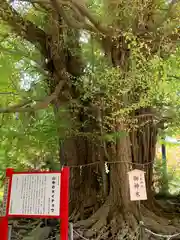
pixel 130 36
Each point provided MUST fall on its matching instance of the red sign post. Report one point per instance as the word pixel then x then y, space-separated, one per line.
pixel 36 195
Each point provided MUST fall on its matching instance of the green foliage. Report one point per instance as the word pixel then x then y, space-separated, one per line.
pixel 146 84
pixel 172 178
pixel 28 140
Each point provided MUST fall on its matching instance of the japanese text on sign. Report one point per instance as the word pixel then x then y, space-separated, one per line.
pixel 35 194
pixel 137 185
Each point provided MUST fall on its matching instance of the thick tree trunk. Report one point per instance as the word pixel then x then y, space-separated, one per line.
pixel 85 191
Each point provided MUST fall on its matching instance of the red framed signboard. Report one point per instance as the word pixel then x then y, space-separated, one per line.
pixel 41 194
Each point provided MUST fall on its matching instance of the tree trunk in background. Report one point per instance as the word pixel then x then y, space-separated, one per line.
pixel 165 188
pixel 143 141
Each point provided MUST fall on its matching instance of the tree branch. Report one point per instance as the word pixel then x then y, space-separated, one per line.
pixel 9 93
pixel 85 12
pixel 23 106
pixel 94 25
pixel 90 23
pixel 173 76
pixel 24 28
pixel 69 21
pixel 175 36
pixel 45 4
pixel 167 15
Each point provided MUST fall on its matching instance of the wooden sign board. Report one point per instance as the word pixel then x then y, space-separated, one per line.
pixel 137 185
pixel 36 195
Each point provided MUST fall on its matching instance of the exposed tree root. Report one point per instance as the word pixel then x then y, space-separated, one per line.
pixel 102 211
pixel 163 209
pixel 105 225
pixel 159 224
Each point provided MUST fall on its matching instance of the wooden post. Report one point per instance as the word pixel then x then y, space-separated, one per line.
pixel 71 231
pixel 4 219
pixel 9 231
pixel 64 204
pixel 141 229
pixel 4 228
pixel 164 165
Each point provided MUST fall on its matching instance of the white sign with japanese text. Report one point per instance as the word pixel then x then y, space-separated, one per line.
pixel 137 185
pixel 35 194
